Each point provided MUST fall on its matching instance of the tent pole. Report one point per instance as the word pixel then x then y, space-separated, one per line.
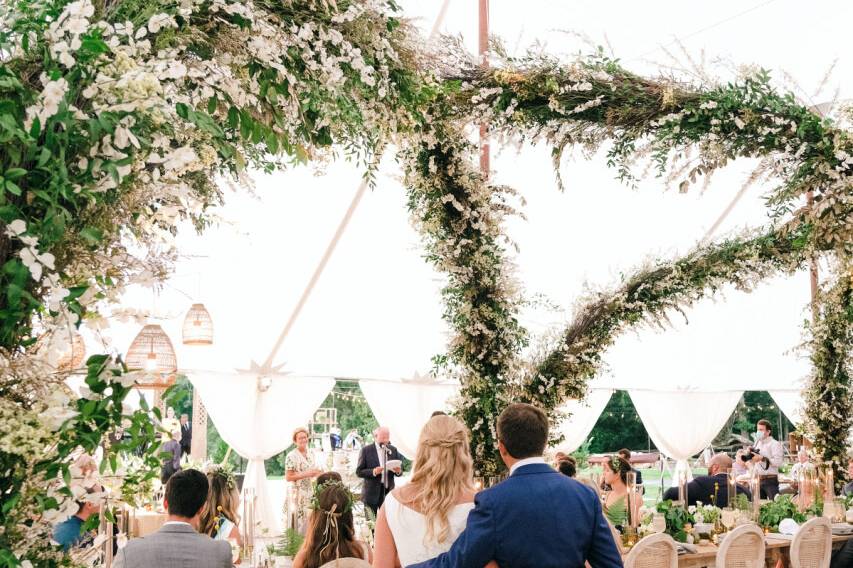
pixel 484 61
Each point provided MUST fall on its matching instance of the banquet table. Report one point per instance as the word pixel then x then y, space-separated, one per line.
pixel 776 550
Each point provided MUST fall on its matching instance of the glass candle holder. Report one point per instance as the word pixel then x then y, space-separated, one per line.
pixel 755 489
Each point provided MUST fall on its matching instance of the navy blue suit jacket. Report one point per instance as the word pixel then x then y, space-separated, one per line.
pixel 537 518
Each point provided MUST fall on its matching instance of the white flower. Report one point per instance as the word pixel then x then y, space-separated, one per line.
pixel 160 21
pixel 180 158
pixel 16 227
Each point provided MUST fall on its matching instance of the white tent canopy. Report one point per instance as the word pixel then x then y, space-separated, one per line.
pixel 376 311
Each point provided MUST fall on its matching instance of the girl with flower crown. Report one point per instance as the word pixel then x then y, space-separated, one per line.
pixel 616 470
pixel 219 519
pixel 331 532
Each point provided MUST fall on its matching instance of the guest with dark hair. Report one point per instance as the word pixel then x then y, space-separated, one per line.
pixel 326 477
pixel 331 531
pixel 625 454
pixel 568 466
pixel 616 499
pixel 178 542
pixel 438 413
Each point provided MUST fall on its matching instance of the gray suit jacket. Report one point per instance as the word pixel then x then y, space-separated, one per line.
pixel 174 546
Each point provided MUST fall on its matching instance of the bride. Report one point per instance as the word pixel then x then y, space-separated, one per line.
pixel 422 519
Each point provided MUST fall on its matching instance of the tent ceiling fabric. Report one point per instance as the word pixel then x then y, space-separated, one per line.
pixel 584 415
pixel 404 407
pixel 682 423
pixel 259 424
pixel 791 404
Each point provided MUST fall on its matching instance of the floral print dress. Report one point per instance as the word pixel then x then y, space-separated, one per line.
pixel 298 503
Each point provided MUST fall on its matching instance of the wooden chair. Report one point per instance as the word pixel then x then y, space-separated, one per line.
pixel 812 545
pixel 655 551
pixel 742 548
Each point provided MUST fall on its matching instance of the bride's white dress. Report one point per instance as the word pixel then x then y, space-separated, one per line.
pixel 409 529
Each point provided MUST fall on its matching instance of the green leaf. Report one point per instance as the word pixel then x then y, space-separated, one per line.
pixel 44 156
pixel 211 104
pixel 15 173
pixel 183 110
pixel 92 235
pixel 13 188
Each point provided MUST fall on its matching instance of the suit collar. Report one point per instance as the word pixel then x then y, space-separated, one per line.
pixel 533 468
pixel 178 528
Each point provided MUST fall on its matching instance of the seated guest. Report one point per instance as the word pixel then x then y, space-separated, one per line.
pixel 710 489
pixel 438 413
pixel 331 532
pixel 172 458
pixel 69 533
pixel 625 454
pixel 178 543
pixel 616 470
pixel 568 466
pixel 848 489
pixel 326 477
pixel 802 464
pixel 220 520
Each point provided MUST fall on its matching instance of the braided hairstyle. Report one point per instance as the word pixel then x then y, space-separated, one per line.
pixel 443 469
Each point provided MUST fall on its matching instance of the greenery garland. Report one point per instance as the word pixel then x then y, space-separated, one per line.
pixel 594 101
pixel 460 217
pixel 648 296
pixel 829 394
pixel 116 117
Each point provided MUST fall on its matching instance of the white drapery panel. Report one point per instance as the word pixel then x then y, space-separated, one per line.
pixel 682 423
pixel 259 424
pixel 405 406
pixel 791 404
pixel 584 415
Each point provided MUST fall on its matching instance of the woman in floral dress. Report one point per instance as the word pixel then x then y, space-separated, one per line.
pixel 299 471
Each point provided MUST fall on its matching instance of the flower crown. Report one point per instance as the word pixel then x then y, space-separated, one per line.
pixel 222 470
pixel 320 487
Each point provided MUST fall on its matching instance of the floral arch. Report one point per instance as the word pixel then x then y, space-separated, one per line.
pixel 116 117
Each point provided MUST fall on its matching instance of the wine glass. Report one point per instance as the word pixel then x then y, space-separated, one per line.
pixel 658 523
pixel 728 519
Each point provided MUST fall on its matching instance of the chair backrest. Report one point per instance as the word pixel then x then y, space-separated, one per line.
pixel 347 563
pixel 742 548
pixel 617 536
pixel 812 545
pixel 655 551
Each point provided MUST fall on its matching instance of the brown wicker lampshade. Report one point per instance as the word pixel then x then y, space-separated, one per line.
pixel 152 352
pixel 72 355
pixel 198 326
pixel 73 359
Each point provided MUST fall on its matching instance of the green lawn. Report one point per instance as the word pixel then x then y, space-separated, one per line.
pixel 651 480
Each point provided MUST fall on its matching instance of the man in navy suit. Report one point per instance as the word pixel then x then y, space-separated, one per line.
pixel 711 489
pixel 377 482
pixel 537 518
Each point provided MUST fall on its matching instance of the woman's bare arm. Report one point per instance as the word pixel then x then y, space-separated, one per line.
pixel 385 551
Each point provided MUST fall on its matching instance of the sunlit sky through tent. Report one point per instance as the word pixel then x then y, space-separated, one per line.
pixel 376 311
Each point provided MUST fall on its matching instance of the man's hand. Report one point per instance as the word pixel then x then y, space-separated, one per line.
pixel 397 470
pixel 377 470
pixel 757 458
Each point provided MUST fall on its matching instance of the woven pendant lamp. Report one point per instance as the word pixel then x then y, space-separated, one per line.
pixel 198 326
pixel 72 355
pixel 152 352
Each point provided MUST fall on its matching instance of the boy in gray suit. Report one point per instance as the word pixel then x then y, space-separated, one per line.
pixel 178 543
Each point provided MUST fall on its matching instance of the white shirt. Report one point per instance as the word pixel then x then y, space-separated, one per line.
pixel 177 523
pixel 380 451
pixel 524 462
pixel 774 452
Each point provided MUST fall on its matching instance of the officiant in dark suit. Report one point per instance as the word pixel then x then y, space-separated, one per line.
pixel 186 435
pixel 377 482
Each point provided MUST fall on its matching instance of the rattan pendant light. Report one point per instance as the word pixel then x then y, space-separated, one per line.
pixel 72 354
pixel 152 352
pixel 198 326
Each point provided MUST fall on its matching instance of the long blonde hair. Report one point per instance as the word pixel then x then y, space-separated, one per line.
pixel 443 469
pixel 222 502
